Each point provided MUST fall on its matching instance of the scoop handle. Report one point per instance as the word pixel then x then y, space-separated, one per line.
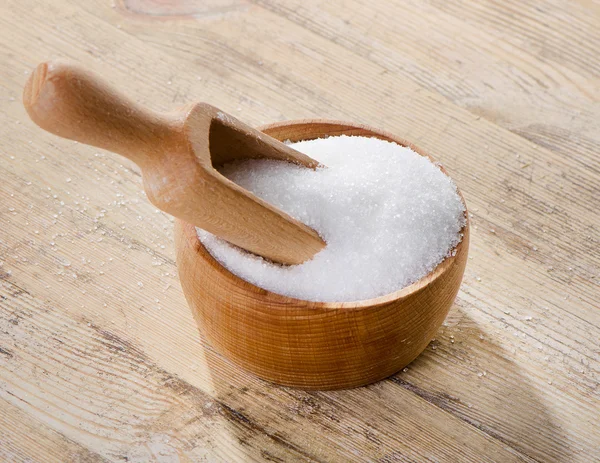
pixel 70 102
pixel 175 153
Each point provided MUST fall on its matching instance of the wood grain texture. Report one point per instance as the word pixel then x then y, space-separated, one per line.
pixel 179 9
pixel 316 345
pixel 178 153
pixel 528 67
pixel 503 94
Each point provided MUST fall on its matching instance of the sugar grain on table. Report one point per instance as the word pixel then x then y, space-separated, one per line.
pixel 388 215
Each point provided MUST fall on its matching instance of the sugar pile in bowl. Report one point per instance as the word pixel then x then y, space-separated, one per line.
pixel 388 215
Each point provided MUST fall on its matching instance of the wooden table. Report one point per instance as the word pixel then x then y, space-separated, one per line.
pixel 100 359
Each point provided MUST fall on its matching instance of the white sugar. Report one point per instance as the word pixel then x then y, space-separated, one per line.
pixel 388 215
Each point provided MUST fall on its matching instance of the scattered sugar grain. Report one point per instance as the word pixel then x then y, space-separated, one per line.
pixel 388 215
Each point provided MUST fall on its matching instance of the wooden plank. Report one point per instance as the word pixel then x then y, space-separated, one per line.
pixel 283 71
pixel 22 439
pixel 525 66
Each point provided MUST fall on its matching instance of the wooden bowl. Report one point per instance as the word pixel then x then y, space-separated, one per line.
pixel 315 345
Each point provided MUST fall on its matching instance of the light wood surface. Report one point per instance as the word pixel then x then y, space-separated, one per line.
pixel 101 359
pixel 177 152
pixel 316 345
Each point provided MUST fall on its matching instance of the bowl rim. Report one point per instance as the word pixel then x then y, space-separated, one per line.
pixel 190 234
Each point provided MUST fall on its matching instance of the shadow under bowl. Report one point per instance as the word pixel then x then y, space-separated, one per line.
pixel 315 345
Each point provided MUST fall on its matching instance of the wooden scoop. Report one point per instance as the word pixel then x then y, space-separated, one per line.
pixel 176 152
